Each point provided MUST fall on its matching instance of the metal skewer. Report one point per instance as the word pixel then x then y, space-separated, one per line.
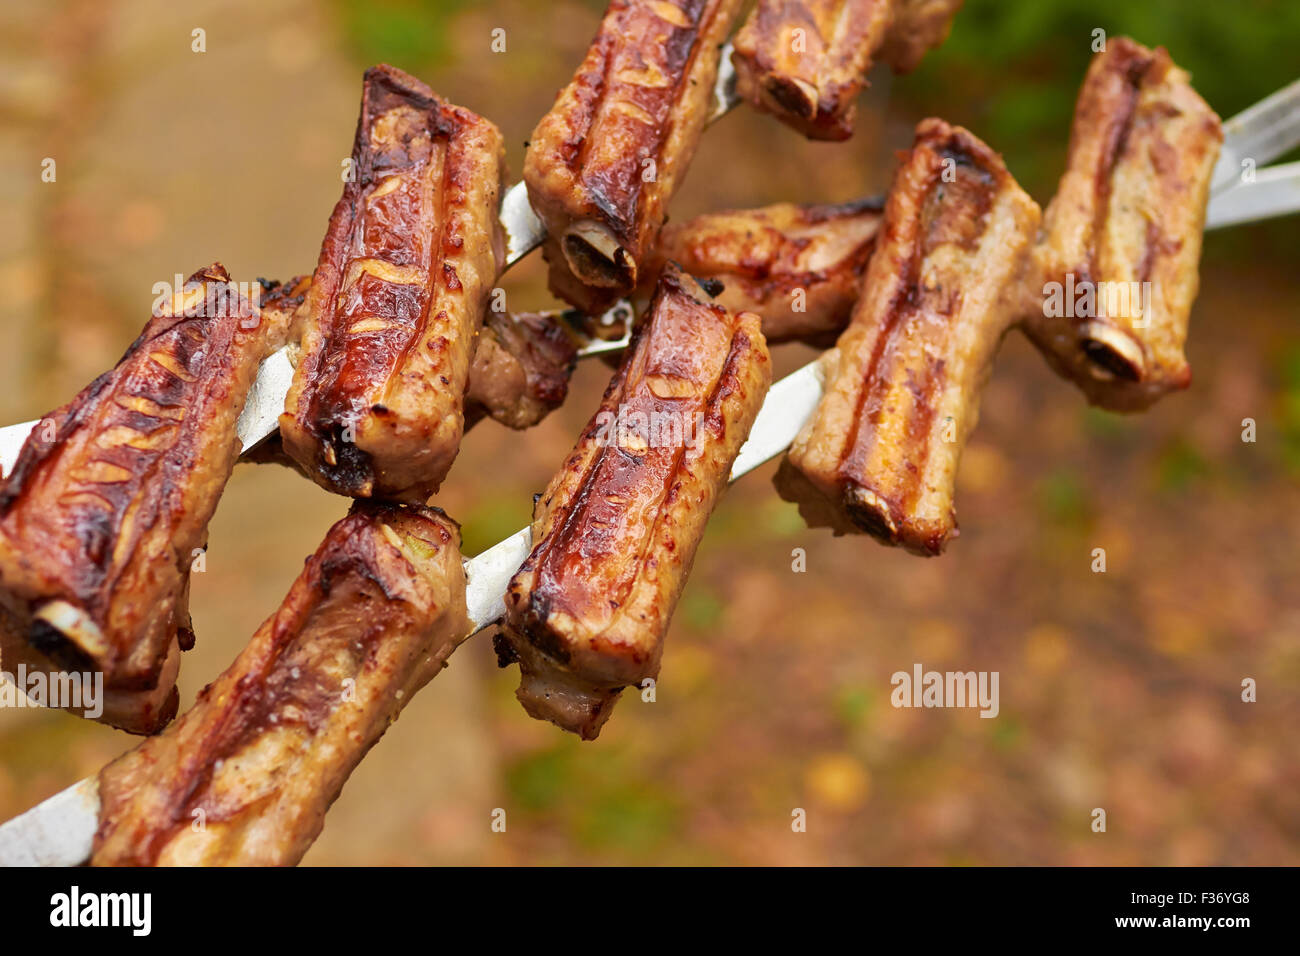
pixel 1262 132
pixel 61 831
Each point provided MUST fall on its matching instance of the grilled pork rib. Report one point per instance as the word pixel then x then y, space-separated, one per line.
pixel 805 61
pixel 799 267
pixel 616 530
pixel 245 776
pixel 376 408
pixel 108 504
pixel 604 162
pixel 1116 274
pixel 902 384
pixel 521 369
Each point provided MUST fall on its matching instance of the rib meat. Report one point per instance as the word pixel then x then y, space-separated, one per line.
pixel 1116 275
pixel 615 532
pixel 919 26
pixel 412 250
pixel 902 384
pixel 805 61
pixel 521 369
pixel 245 776
pixel 799 267
pixel 108 504
pixel 604 162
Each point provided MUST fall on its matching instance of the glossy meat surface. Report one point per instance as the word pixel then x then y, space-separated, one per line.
pixel 800 267
pixel 246 775
pixel 409 258
pixel 615 532
pixel 805 61
pixel 1116 274
pixel 521 369
pixel 902 384
pixel 108 504
pixel 604 162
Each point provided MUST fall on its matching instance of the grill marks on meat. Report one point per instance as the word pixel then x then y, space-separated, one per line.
pixel 110 498
pixel 412 250
pixel 519 370
pixel 805 61
pixel 799 267
pixel 616 530
pixel 902 384
pixel 1130 209
pixel 603 164
pixel 268 746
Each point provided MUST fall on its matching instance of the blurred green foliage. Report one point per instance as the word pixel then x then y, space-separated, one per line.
pixel 1180 465
pixel 701 608
pixel 1008 733
pixel 853 704
pixel 409 34
pixel 494 518
pixel 622 808
pixel 1062 499
pixel 1106 425
pixel 1289 412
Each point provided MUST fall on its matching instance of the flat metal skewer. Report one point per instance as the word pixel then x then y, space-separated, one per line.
pixel 61 831
pixel 1264 130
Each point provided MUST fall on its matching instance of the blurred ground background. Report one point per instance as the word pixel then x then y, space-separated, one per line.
pixel 1119 690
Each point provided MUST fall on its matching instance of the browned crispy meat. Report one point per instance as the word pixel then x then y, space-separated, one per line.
pixel 521 368
pixel 615 532
pixel 805 61
pixel 902 384
pixel 603 163
pixel 108 504
pixel 1116 273
pixel 799 267
pixel 919 26
pixel 409 259
pixel 246 775
pixel 287 302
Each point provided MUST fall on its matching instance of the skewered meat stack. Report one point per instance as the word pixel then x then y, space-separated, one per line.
pixel 98 521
